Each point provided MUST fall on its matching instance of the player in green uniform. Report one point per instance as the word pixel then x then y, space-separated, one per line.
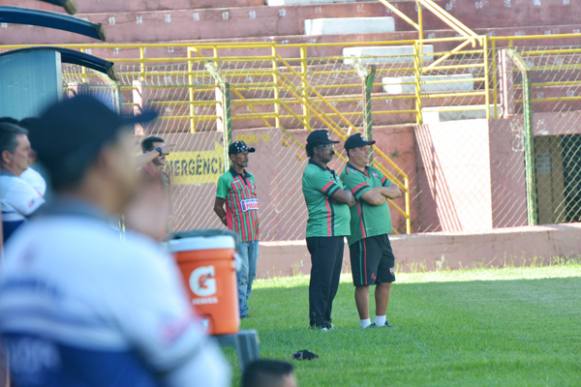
pixel 372 259
pixel 328 207
pixel 237 191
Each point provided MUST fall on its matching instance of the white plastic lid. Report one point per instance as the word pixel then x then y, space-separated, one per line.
pixel 201 243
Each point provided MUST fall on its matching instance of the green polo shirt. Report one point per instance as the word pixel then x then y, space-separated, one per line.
pixel 239 192
pixel 366 220
pixel 326 217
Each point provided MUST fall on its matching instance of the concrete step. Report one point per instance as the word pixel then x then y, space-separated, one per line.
pixel 166 20
pixel 106 6
pixel 384 54
pixel 349 25
pixel 429 84
pixel 195 24
pixel 279 3
pixel 466 112
pixel 483 14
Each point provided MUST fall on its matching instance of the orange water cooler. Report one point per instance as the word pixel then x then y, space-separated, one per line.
pixel 206 259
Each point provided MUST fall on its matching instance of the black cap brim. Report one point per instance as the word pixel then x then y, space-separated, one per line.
pixel 144 117
pixel 326 142
pixel 358 144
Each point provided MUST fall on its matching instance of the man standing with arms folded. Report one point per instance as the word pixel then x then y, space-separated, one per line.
pixel 328 206
pixel 372 260
pixel 237 191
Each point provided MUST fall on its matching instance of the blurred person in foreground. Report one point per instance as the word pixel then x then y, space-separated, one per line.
pixel 327 226
pixel 372 259
pixel 80 306
pixel 149 210
pixel 19 200
pixel 269 373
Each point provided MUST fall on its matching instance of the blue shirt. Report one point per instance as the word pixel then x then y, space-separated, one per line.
pixel 80 306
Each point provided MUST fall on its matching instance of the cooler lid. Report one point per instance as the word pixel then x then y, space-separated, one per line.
pixel 201 240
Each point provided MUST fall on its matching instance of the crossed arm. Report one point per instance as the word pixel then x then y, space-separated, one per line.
pixel 377 196
pixel 344 196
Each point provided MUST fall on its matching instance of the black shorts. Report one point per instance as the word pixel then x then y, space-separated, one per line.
pixel 372 261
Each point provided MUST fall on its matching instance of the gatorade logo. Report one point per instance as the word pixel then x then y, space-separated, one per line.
pixel 203 281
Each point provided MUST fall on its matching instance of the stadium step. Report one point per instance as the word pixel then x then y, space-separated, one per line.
pixel 349 25
pixel 462 112
pixel 106 6
pixel 170 20
pixel 278 3
pixel 429 84
pixel 384 54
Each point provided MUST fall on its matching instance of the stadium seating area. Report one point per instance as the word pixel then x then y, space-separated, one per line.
pixel 148 21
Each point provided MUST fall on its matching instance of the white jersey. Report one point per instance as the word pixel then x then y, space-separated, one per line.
pixel 80 306
pixel 35 179
pixel 18 200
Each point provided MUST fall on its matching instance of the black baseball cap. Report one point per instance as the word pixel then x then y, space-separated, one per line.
pixel 356 141
pixel 239 147
pixel 319 137
pixel 69 134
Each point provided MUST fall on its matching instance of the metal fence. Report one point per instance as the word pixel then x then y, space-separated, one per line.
pixel 412 96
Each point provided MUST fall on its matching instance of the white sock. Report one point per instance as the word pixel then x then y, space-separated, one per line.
pixel 364 323
pixel 380 320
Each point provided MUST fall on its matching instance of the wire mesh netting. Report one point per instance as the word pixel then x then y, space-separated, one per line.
pixel 554 73
pixel 277 94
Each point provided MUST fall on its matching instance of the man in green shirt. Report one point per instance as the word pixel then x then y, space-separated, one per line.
pixel 328 207
pixel 237 191
pixel 372 260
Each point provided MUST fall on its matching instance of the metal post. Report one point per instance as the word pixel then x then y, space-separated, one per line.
pixel 420 21
pixel 191 90
pixel 223 108
pixel 418 60
pixel 142 63
pixel 407 199
pixel 532 211
pixel 528 138
pixel 227 121
pixel 486 76
pixel 367 108
pixel 494 80
pixel 304 87
pixel 276 91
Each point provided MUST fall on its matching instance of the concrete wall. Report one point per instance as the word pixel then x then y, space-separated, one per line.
pixel 507 173
pixel 454 176
pixel 517 246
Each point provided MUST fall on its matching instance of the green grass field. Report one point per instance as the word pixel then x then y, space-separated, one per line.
pixel 508 327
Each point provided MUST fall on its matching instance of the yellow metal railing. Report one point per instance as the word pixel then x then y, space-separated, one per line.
pixel 302 82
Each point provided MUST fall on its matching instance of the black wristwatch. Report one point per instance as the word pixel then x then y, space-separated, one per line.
pixel 159 150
